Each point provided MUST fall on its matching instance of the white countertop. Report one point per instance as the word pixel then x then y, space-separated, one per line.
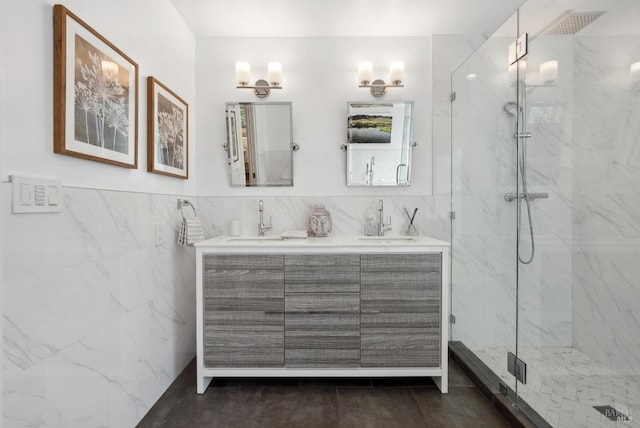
pixel 391 243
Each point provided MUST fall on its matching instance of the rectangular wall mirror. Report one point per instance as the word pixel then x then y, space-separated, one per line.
pixel 259 144
pixel 380 142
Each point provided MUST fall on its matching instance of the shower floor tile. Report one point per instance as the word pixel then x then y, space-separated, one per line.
pixel 563 385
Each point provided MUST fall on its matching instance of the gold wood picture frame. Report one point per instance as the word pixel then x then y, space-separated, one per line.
pixel 167 131
pixel 95 94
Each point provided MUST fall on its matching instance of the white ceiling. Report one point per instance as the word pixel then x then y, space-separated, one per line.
pixel 343 18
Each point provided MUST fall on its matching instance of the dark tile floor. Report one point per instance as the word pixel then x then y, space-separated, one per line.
pixel 308 403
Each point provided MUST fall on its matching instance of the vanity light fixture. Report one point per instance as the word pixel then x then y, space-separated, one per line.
pixel 261 88
pixel 378 87
pixel 549 72
pixel 634 73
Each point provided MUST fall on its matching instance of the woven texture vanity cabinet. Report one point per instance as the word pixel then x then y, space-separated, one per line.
pixel 400 310
pixel 321 308
pixel 243 310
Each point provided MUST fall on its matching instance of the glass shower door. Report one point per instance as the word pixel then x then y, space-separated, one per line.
pixel 484 266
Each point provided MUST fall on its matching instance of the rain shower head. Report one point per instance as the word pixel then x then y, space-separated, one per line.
pixel 570 22
pixel 512 108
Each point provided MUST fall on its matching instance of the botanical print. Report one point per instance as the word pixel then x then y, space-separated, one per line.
pixel 167 131
pixel 101 116
pixel 170 133
pixel 95 95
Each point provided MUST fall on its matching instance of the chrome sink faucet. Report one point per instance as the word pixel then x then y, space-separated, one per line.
pixel 262 228
pixel 382 228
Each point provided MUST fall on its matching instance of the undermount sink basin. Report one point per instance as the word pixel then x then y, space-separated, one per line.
pixel 388 238
pixel 254 238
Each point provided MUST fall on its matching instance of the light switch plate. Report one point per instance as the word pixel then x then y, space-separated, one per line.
pixel 34 195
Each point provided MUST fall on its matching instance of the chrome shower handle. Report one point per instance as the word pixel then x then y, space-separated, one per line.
pixel 530 196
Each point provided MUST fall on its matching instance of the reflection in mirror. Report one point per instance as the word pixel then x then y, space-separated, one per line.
pixel 380 144
pixel 259 144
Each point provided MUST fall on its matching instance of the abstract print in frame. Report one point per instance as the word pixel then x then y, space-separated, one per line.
pixel 167 130
pixel 95 94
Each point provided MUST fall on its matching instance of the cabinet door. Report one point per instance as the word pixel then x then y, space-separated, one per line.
pixel 322 310
pixel 243 310
pixel 400 310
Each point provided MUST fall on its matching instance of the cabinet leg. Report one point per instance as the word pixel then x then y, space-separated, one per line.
pixel 442 383
pixel 203 383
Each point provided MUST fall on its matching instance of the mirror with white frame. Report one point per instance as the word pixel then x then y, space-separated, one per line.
pixel 259 144
pixel 379 143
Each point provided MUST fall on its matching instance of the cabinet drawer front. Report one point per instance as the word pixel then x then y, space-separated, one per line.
pixel 240 304
pixel 349 321
pixel 322 357
pixel 241 283
pixel 254 319
pixel 384 320
pixel 322 331
pixel 243 337
pixel 243 357
pixel 404 283
pixel 400 348
pixel 244 291
pixel 322 272
pixel 322 302
pixel 400 306
pixel 401 263
pixel 322 287
pixel 400 292
pixel 322 340
pixel 243 262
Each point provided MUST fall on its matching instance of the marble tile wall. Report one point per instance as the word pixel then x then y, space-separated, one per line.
pixel 348 214
pixel 606 215
pixel 545 297
pixel 99 308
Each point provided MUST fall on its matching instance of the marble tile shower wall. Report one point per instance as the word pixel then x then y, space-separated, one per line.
pixel 484 250
pixel 348 214
pixel 545 296
pixel 606 220
pixel 98 319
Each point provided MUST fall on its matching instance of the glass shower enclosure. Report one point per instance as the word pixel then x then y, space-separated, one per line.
pixel 546 196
